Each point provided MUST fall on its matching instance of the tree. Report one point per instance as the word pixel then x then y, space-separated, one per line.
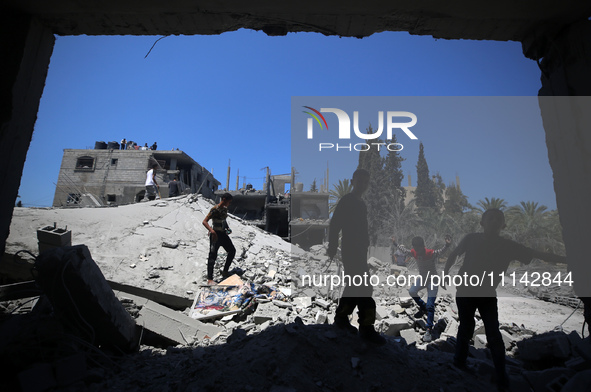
pixel 375 198
pixel 529 224
pixel 493 202
pixel 455 201
pixel 393 176
pixel 339 190
pixel 313 187
pixel 425 196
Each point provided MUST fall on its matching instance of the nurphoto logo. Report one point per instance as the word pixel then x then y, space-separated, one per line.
pixel 344 130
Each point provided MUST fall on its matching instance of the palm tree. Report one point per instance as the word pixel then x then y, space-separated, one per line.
pixel 529 224
pixel 339 190
pixel 487 204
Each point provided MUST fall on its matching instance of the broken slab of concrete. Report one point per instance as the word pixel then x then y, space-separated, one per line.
pixel 173 325
pixel 168 300
pixel 19 290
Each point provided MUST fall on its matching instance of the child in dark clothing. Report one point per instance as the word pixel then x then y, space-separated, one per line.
pixel 426 263
pixel 486 253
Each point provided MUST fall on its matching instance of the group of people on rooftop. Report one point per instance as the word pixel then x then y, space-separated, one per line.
pixel 131 145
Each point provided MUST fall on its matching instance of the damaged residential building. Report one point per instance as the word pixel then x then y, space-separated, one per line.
pixel 106 175
pixel 299 217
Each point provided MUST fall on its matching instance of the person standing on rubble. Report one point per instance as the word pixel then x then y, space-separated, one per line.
pixel 350 218
pixel 218 236
pixel 487 254
pixel 151 184
pixel 426 262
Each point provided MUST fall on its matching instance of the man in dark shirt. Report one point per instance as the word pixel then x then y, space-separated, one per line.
pixel 487 253
pixel 173 188
pixel 350 218
pixel 218 236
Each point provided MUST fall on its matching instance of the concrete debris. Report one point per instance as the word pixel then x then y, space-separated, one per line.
pixel 171 244
pixel 264 317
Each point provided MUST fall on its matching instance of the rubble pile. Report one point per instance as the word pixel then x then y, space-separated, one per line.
pixel 262 329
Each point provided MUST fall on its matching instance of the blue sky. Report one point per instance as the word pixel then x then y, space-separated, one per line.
pixel 228 97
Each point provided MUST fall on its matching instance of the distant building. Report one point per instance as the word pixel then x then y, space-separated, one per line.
pixel 298 217
pixel 109 176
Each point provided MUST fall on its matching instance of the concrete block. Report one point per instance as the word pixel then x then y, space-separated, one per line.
pixel 394 326
pixel 452 328
pixel 409 335
pixel 174 325
pixel 553 345
pixel 480 341
pixel 265 312
pixel 322 303
pixel 382 312
pixel 321 317
pixel 538 380
pixel 54 236
pixel 282 304
pixel 406 302
pixel 421 323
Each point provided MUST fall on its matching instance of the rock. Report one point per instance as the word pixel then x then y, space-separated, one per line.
pixel 480 341
pixel 552 345
pixel 170 244
pixel 321 317
pixel 394 326
pixel 409 335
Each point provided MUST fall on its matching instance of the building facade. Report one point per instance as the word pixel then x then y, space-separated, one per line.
pixel 98 177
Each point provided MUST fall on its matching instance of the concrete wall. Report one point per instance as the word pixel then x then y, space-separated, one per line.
pixel 119 176
pixel 124 179
pixel 25 46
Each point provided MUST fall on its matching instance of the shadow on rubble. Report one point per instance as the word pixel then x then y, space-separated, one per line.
pixel 39 354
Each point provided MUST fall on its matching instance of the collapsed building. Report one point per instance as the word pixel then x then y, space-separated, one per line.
pixel 299 217
pixel 106 175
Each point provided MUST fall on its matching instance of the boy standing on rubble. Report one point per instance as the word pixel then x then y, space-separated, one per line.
pixel 426 262
pixel 485 254
pixel 350 217
pixel 218 236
